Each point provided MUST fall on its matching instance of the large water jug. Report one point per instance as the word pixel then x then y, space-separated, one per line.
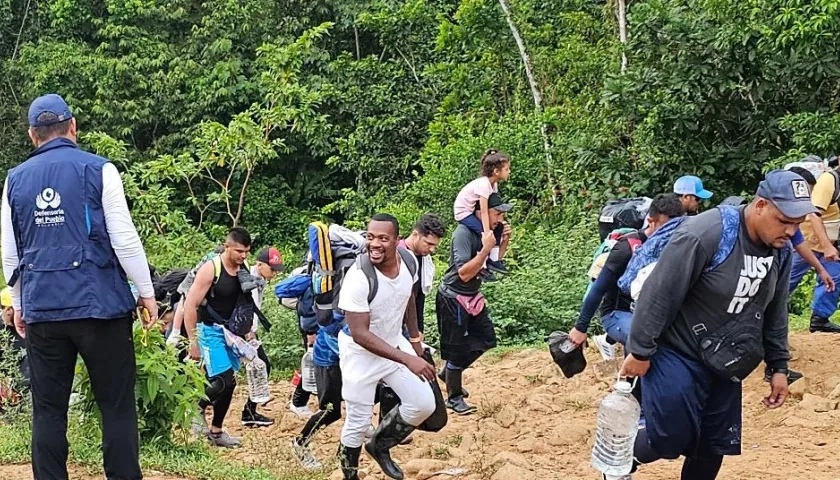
pixel 615 432
pixel 258 390
pixel 307 373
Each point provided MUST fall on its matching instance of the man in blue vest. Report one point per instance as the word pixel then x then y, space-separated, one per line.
pixel 69 247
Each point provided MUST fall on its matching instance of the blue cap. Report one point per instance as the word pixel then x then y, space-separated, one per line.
pixel 50 103
pixel 788 191
pixel 691 185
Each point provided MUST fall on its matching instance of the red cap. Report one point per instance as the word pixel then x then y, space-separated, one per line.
pixel 271 256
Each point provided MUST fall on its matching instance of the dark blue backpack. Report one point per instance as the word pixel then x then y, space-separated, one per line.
pixel 650 251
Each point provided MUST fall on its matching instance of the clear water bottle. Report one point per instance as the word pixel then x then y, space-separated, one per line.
pixel 615 432
pixel 258 390
pixel 307 373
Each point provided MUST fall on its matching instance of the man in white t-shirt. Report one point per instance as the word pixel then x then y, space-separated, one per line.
pixel 373 349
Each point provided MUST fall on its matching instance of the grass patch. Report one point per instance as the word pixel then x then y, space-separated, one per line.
pixel 499 353
pixel 193 460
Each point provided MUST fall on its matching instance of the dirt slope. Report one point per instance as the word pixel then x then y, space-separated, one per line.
pixel 533 423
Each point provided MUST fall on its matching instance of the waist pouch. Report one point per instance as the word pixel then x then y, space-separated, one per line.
pixel 473 305
pixel 735 349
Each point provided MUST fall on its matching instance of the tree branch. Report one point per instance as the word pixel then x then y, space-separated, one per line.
pixel 242 196
pixel 535 91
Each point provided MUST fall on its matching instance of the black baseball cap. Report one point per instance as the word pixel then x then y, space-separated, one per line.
pixel 495 202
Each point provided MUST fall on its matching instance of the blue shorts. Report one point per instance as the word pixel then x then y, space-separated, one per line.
pixel 617 325
pixel 217 355
pixel 688 409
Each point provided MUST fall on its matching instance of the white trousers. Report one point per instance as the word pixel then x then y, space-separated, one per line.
pixel 361 371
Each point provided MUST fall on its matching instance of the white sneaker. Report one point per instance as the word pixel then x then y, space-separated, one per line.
pixel 302 412
pixel 607 350
pixel 304 455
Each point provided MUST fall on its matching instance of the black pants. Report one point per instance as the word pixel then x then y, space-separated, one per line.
pixel 329 384
pixel 463 337
pixel 107 348
pixel 300 397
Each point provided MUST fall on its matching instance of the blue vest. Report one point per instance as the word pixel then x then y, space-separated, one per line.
pixel 68 269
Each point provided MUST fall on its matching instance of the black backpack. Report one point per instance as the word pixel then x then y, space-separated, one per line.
pixel 623 213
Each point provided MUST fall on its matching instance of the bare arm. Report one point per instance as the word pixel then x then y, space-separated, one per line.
pixel 410 319
pixel 469 270
pixel 359 324
pixel 819 231
pixel 809 256
pixel 198 290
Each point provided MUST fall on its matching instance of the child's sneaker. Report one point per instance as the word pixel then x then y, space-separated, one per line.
pixel 497 266
pixel 487 275
pixel 607 350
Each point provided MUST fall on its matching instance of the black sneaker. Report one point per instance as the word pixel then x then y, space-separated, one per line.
pixel 497 266
pixel 459 406
pixel 792 376
pixel 487 275
pixel 254 419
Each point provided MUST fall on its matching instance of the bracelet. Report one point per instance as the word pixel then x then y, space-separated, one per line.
pixel 416 339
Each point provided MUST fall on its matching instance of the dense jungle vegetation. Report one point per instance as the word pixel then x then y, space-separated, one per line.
pixel 270 114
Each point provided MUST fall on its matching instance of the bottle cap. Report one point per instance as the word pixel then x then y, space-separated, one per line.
pixel 623 386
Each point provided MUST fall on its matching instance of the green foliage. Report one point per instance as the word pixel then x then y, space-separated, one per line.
pixel 546 289
pixel 271 115
pixel 167 391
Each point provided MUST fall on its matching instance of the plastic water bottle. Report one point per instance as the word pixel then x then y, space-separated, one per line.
pixel 258 390
pixel 615 432
pixel 307 373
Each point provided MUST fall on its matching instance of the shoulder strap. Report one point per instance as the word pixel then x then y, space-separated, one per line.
pixel 836 195
pixel 409 259
pixel 217 268
pixel 363 262
pixel 731 222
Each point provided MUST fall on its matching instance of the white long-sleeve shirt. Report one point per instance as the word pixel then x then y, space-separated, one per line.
pixel 123 235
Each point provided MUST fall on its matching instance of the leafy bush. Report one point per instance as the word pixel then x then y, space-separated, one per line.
pixel 547 283
pixel 167 391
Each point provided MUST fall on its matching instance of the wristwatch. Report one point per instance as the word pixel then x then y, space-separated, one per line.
pixel 783 371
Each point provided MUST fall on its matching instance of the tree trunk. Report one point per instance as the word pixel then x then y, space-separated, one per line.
pixel 535 91
pixel 622 30
pixel 358 47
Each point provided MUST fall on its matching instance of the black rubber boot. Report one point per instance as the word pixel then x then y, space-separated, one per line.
pixel 348 458
pixel 820 324
pixel 388 400
pixel 390 432
pixel 455 393
pixel 442 377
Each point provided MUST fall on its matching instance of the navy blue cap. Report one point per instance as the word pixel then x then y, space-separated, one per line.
pixel 788 191
pixel 50 103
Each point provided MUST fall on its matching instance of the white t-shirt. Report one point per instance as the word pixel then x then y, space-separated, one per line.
pixel 388 306
pixel 469 195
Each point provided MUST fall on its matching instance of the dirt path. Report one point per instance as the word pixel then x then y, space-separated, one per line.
pixel 532 423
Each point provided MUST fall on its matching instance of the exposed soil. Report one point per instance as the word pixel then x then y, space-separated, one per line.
pixel 532 423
